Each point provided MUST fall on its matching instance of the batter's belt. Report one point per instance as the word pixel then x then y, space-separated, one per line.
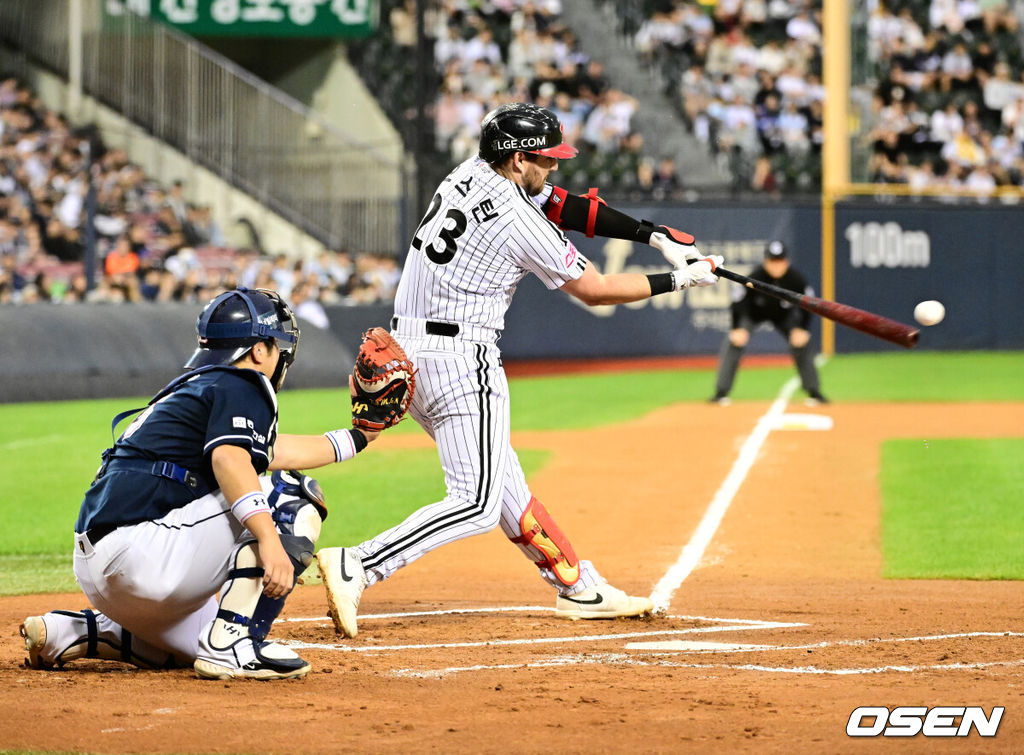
pixel 414 326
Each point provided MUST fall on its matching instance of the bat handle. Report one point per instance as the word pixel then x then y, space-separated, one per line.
pixel 722 272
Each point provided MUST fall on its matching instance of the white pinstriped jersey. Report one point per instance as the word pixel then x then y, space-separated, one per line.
pixel 480 236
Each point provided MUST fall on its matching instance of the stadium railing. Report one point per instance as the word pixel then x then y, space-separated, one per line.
pixel 339 188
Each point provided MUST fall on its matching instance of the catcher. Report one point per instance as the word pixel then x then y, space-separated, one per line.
pixel 180 510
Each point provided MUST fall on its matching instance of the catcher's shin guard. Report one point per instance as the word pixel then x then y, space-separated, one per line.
pixel 62 636
pixel 244 609
pixel 544 538
pixel 234 646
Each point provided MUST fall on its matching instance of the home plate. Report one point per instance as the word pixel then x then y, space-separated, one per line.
pixel 803 422
pixel 720 647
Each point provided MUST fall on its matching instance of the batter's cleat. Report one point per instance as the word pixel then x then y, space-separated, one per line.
pixel 344 579
pixel 249 659
pixel 33 630
pixel 721 399
pixel 601 602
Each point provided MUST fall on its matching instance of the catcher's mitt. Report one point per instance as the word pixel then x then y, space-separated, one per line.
pixel 384 381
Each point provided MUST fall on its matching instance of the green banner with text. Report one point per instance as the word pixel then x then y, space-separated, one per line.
pixel 257 18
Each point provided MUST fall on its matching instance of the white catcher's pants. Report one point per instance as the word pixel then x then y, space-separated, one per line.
pixel 160 578
pixel 462 402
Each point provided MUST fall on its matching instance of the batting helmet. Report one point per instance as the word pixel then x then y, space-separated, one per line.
pixel 235 321
pixel 522 127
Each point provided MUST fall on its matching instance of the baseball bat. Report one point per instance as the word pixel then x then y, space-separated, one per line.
pixel 858 319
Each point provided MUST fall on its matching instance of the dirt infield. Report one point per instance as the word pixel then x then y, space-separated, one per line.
pixel 798 625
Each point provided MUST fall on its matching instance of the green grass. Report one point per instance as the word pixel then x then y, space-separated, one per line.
pixel 38 573
pixel 951 508
pixel 383 488
pixel 926 376
pixel 50 451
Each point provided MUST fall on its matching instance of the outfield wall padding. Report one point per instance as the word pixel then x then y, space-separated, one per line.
pixel 102 350
pixel 888 258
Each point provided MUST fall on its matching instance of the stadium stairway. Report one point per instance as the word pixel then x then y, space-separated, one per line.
pixel 663 130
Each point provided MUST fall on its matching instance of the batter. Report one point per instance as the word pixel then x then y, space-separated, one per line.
pixel 492 221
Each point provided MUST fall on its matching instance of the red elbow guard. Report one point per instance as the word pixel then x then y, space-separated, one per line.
pixel 582 213
pixel 555 204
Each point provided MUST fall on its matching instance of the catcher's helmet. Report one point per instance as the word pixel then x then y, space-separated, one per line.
pixel 235 321
pixel 522 127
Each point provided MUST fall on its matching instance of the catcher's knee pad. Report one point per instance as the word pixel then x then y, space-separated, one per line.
pixel 298 507
pixel 298 504
pixel 540 531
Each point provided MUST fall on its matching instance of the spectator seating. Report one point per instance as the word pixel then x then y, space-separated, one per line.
pixel 944 79
pixel 489 53
pixel 151 244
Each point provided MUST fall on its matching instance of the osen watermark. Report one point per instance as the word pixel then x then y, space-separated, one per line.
pixel 909 721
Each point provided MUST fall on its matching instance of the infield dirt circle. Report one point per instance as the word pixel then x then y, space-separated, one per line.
pixel 793 573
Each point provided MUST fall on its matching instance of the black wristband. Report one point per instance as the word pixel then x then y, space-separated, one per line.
pixel 661 283
pixel 358 438
pixel 644 231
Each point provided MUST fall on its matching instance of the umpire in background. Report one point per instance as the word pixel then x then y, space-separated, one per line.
pixel 755 308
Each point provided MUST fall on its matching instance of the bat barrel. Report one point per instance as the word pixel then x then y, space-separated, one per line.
pixel 858 319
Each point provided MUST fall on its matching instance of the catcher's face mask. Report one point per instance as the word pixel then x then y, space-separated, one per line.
pixel 288 344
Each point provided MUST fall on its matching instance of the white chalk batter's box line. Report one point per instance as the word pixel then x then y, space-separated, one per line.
pixel 623 659
pixel 658 653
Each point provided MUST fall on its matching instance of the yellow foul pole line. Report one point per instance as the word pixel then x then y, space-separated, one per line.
pixel 835 156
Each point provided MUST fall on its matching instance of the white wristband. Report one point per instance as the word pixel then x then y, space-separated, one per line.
pixel 344 446
pixel 248 505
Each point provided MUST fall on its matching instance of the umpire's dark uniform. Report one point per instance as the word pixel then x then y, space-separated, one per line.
pixel 755 308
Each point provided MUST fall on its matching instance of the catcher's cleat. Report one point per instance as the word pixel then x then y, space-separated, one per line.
pixel 344 580
pixel 249 659
pixel 34 631
pixel 601 602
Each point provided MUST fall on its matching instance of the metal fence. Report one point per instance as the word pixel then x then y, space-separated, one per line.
pixel 341 189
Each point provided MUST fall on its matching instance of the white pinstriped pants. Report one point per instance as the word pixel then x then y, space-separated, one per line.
pixel 462 402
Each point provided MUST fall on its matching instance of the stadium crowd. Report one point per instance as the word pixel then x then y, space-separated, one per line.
pixel 151 244
pixel 946 93
pixel 745 77
pixel 489 53
pixel 948 110
pixel 944 81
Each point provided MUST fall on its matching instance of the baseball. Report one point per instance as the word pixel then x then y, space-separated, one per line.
pixel 929 312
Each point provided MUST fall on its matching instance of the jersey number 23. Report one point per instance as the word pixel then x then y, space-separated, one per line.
pixel 453 226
